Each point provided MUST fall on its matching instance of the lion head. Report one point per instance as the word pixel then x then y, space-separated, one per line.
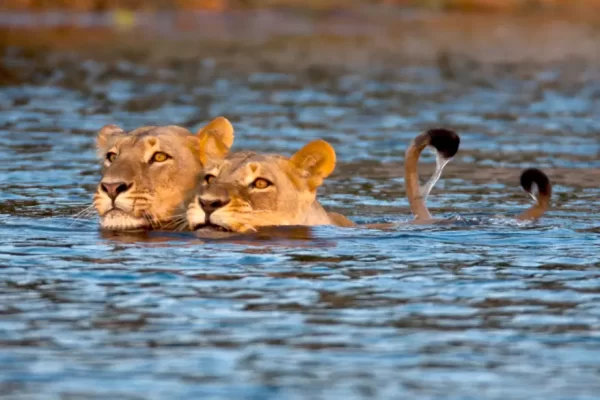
pixel 147 173
pixel 246 190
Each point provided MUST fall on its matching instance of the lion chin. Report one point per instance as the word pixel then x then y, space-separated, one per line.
pixel 120 220
pixel 211 227
pixel 197 222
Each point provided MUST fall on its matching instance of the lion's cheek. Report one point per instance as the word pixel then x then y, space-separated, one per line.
pixel 102 204
pixel 195 216
pixel 124 203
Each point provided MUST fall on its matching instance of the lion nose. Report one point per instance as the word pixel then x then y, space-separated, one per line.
pixel 211 205
pixel 114 189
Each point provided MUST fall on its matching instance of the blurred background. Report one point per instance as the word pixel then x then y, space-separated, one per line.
pixel 99 5
pixel 483 307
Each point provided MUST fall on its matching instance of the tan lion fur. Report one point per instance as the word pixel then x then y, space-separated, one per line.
pixel 241 207
pixel 156 190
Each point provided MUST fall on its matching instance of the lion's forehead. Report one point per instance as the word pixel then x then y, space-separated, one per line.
pixel 251 164
pixel 172 143
pixel 243 167
pixel 158 131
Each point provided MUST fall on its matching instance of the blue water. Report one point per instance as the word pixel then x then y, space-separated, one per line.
pixel 484 307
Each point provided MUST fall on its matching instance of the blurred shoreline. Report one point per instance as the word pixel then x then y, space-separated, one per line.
pixel 353 34
pixel 315 5
pixel 257 39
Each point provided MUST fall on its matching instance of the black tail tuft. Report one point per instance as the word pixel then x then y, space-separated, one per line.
pixel 445 141
pixel 534 175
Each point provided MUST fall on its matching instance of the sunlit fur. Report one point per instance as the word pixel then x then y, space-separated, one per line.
pixel 227 199
pixel 289 200
pixel 157 189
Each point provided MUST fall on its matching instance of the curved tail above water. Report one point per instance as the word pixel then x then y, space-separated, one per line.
pixel 446 144
pixel 530 177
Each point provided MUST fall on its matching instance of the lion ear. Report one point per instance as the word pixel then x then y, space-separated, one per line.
pixel 219 127
pixel 211 148
pixel 105 134
pixel 318 159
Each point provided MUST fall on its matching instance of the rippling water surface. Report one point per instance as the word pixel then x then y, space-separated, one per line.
pixel 481 308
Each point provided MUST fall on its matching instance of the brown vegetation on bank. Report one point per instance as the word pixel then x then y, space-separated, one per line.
pixel 221 5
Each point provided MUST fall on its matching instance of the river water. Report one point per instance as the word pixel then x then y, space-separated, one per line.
pixel 481 308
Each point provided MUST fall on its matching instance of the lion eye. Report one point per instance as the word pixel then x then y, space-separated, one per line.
pixel 261 183
pixel 159 156
pixel 209 178
pixel 110 156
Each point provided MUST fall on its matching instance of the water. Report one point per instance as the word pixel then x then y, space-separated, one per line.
pixel 484 307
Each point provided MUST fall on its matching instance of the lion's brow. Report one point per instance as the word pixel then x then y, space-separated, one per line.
pixel 138 132
pixel 236 166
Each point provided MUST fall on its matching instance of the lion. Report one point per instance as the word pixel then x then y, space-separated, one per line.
pixel 244 191
pixel 149 172
pixel 248 190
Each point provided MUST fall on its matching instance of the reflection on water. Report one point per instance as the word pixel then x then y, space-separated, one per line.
pixel 480 307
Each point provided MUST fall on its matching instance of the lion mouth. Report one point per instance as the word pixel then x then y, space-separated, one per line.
pixel 117 219
pixel 117 211
pixel 210 227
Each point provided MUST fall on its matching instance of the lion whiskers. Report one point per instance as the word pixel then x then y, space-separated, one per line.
pixel 138 205
pixel 152 219
pixel 83 214
pixel 178 222
pixel 86 212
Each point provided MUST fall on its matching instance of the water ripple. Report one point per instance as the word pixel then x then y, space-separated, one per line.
pixel 481 307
